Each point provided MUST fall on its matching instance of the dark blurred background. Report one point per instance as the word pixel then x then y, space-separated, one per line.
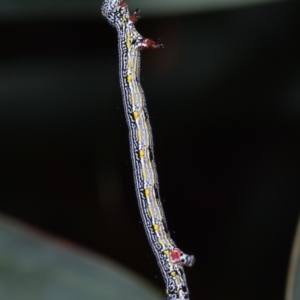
pixel 223 98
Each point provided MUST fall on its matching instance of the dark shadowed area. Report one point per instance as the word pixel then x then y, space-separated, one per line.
pixel 224 104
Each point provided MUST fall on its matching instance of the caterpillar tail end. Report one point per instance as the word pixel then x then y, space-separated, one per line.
pixel 190 260
pixel 178 257
pixel 135 16
pixel 150 44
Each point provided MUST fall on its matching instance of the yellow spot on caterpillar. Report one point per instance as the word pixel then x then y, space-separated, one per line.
pixel 129 78
pixel 167 252
pixel 167 292
pixel 135 115
pixel 173 274
pixel 156 227
pixel 147 193
pixel 141 153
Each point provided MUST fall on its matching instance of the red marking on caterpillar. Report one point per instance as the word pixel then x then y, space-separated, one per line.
pixel 176 253
pixel 178 257
pixel 123 4
pixel 135 16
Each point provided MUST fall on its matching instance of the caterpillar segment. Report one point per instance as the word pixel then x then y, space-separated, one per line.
pixel 169 258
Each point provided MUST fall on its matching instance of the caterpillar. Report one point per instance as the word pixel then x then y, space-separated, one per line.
pixel 169 258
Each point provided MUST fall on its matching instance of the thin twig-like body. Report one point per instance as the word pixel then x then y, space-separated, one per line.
pixel 170 259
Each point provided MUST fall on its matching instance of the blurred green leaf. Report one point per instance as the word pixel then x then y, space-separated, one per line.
pixel 33 267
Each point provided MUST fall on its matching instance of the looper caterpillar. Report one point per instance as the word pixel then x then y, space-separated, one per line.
pixel 170 259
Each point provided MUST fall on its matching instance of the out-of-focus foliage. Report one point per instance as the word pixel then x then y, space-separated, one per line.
pixel 89 8
pixel 293 282
pixel 33 267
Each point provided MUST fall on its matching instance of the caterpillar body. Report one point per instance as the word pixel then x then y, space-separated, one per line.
pixel 170 259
